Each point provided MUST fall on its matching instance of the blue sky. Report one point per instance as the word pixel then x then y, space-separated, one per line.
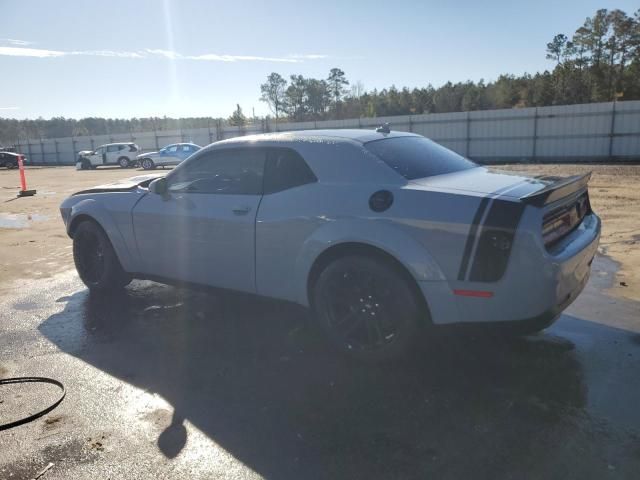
pixel 135 58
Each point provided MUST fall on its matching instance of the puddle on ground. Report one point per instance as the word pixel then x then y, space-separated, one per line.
pixel 19 220
pixel 603 272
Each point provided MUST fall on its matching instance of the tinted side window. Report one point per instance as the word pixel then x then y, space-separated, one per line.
pixel 231 172
pixel 112 148
pixel 172 148
pixel 285 169
pixel 417 157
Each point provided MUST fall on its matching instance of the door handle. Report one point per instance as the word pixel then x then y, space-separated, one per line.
pixel 241 210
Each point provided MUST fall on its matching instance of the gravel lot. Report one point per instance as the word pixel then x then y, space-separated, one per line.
pixel 171 383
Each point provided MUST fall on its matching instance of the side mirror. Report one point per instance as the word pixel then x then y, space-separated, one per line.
pixel 158 186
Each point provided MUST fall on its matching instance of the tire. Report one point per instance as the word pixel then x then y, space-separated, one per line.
pixel 95 259
pixel 86 164
pixel 124 162
pixel 9 164
pixel 148 164
pixel 367 308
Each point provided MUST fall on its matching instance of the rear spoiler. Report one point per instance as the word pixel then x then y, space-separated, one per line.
pixel 558 190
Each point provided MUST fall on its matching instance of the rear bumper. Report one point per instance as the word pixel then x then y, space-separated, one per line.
pixel 538 286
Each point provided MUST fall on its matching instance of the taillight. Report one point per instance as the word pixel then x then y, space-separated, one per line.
pixel 562 220
pixel 556 228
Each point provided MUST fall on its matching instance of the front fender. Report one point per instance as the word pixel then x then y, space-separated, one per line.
pixel 89 207
pixel 381 233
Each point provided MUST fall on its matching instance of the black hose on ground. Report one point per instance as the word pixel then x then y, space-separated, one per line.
pixel 30 418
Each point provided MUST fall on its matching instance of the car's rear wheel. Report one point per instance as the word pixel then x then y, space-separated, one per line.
pixel 124 162
pixel 367 308
pixel 148 164
pixel 95 259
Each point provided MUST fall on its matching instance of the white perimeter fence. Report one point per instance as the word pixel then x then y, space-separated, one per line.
pixel 596 132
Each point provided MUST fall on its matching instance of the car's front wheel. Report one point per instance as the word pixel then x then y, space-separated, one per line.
pixel 148 164
pixel 367 308
pixel 9 164
pixel 124 162
pixel 95 259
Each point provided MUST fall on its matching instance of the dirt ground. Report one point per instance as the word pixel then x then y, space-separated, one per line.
pixel 33 243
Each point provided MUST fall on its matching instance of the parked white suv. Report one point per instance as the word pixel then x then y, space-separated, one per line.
pixel 123 154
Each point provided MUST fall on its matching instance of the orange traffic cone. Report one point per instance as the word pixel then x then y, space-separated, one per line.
pixel 23 182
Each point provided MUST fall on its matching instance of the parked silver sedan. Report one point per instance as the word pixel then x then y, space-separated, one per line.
pixel 380 233
pixel 167 156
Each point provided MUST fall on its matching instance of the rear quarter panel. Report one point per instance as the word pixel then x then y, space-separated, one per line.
pixel 440 221
pixel 294 227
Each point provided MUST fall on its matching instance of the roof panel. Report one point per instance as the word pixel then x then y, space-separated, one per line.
pixel 357 135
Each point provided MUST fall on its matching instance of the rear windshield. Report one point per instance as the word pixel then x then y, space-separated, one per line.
pixel 417 157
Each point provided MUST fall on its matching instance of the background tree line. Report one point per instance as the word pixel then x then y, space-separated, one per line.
pixel 599 62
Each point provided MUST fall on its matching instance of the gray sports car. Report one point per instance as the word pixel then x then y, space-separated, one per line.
pixel 380 233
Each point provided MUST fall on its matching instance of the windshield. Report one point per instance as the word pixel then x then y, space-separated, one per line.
pixel 418 157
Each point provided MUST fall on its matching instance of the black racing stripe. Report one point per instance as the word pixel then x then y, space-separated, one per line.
pixel 492 255
pixel 472 236
pixel 476 223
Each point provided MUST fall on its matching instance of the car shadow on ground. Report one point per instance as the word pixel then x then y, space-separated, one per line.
pixel 252 375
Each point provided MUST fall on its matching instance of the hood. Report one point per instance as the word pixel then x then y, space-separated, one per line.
pixel 125 185
pixel 147 155
pixel 486 182
pixel 84 153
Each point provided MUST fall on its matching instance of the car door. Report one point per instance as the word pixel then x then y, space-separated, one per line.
pixel 287 218
pixel 184 152
pixel 169 155
pixel 99 157
pixel 113 153
pixel 5 160
pixel 202 229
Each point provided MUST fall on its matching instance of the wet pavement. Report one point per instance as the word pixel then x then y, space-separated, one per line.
pixel 170 383
pixel 19 220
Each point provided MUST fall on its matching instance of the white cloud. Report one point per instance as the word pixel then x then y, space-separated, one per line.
pixel 13 41
pixel 109 53
pixel 156 53
pixel 213 57
pixel 30 52
pixel 9 108
pixel 308 56
pixel 170 54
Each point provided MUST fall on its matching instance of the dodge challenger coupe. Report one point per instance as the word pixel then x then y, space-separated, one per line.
pixel 380 233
